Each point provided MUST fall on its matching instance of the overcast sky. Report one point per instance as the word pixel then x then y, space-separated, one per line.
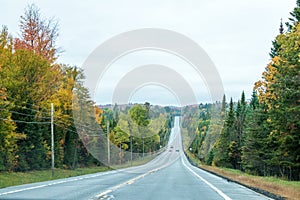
pixel 235 34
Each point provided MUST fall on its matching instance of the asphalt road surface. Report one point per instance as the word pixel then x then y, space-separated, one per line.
pixel 168 176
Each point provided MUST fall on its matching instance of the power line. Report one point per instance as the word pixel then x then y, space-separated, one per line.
pixel 22 107
pixel 65 128
pixel 79 125
pixel 63 118
pixel 58 118
pixel 25 114
pixel 26 103
pixel 73 130
pixel 83 127
pixel 61 121
pixel 20 121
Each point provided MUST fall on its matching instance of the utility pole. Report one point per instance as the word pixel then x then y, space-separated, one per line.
pixel 130 135
pixel 108 145
pixel 120 153
pixel 76 140
pixel 52 140
pixel 143 144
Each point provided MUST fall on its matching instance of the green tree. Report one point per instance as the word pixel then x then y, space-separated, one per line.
pixel 29 82
pixel 279 93
pixel 256 149
pixel 283 111
pixel 66 135
pixel 27 78
pixel 8 136
pixel 140 115
pixel 222 149
pixel 223 108
pixel 254 101
pixel 295 16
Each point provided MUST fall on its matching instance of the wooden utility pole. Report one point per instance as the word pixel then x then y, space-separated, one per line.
pixel 52 139
pixel 108 145
pixel 130 135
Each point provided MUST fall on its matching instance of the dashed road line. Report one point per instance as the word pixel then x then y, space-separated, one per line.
pixel 128 182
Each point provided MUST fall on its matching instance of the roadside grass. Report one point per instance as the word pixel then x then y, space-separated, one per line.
pixel 18 178
pixel 136 162
pixel 286 189
pixel 283 188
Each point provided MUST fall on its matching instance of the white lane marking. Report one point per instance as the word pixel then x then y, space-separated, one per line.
pixel 129 182
pixel 55 183
pixel 208 183
pixel 24 189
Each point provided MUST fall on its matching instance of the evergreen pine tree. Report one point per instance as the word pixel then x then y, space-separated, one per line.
pixel 228 134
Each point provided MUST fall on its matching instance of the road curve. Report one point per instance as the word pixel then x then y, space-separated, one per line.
pixel 168 176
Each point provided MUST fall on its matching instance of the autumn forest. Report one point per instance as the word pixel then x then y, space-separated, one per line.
pixel 260 136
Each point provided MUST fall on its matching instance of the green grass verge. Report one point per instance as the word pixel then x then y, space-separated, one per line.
pixel 18 178
pixel 136 162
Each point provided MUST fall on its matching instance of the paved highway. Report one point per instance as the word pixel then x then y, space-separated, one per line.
pixel 168 176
